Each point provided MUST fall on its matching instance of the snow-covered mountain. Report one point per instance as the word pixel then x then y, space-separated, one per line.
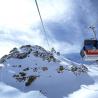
pixel 32 68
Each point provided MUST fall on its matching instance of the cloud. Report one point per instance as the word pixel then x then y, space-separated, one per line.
pixel 20 23
pixel 11 39
pixel 74 30
pixel 22 14
pixel 18 14
pixel 8 92
pixel 66 23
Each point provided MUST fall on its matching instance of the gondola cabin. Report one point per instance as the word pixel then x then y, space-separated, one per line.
pixel 89 51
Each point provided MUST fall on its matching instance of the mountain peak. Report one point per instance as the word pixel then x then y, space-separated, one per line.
pixel 33 68
pixel 26 50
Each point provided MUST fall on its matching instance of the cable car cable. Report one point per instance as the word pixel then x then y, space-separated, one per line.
pixel 42 24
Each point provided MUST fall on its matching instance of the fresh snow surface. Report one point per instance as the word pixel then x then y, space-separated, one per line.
pixel 50 82
pixel 88 91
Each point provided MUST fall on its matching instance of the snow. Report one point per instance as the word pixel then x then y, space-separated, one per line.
pixel 1 66
pixel 49 83
pixel 88 91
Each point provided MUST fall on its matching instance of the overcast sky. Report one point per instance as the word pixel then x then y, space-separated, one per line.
pixel 66 23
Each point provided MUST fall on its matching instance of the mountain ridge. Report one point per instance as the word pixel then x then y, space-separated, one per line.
pixel 34 68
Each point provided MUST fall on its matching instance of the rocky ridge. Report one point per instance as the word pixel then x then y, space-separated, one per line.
pixel 24 52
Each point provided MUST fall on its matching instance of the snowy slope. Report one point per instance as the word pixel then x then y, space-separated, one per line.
pixel 32 68
pixel 88 91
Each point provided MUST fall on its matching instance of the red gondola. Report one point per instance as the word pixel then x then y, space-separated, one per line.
pixel 89 51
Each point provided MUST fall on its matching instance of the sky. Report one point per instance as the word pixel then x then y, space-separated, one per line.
pixel 66 23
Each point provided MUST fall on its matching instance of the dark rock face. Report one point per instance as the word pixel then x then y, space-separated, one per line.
pixel 14 50
pixel 21 55
pixel 79 69
pixel 30 80
pixel 3 58
pixel 25 50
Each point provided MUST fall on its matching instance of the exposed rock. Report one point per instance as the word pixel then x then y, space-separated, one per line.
pixel 26 69
pixel 35 69
pixel 16 65
pixel 44 68
pixel 21 55
pixel 3 59
pixel 22 74
pixel 30 80
pixel 60 69
pixel 25 50
pixel 77 70
pixel 14 50
pixel 20 77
